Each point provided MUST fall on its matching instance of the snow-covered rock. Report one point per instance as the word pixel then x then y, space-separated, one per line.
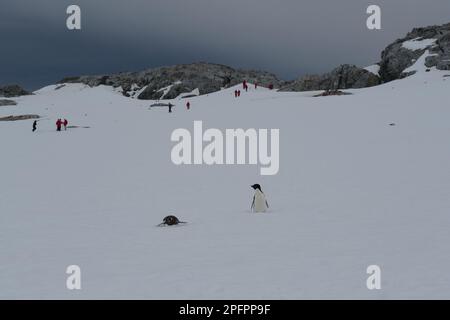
pixel 10 91
pixel 374 68
pixel 418 44
pixel 343 77
pixel 170 82
pixel 403 53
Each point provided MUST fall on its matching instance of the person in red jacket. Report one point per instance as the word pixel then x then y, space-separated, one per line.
pixel 188 105
pixel 58 125
pixel 256 85
pixel 65 123
pixel 244 84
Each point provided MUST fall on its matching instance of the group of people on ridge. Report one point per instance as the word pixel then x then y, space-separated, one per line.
pixel 237 93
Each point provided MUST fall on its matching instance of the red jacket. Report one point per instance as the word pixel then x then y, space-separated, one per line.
pixel 65 122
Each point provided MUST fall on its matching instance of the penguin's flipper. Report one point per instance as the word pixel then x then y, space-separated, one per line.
pixel 253 203
pixel 267 204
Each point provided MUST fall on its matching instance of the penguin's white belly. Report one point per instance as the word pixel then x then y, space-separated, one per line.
pixel 260 202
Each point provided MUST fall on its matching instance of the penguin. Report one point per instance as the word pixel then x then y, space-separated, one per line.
pixel 259 203
pixel 170 221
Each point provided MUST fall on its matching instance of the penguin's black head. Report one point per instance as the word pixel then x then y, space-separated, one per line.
pixel 257 186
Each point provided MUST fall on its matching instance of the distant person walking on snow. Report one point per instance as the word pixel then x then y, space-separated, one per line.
pixel 65 123
pixel 245 85
pixel 188 105
pixel 34 125
pixel 239 93
pixel 170 107
pixel 58 125
pixel 256 85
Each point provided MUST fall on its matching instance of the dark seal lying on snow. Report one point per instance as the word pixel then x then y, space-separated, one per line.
pixel 170 221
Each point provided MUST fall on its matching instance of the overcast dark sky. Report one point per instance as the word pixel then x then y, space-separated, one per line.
pixel 287 37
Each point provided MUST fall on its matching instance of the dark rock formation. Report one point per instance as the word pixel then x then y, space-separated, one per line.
pixel 170 82
pixel 396 57
pixel 343 77
pixel 21 117
pixel 327 93
pixel 10 91
pixel 5 102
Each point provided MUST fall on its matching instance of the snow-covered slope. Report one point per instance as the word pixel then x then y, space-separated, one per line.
pixel 352 191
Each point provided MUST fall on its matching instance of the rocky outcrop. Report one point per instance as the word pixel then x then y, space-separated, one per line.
pixel 343 77
pixel 404 52
pixel 5 102
pixel 170 82
pixel 21 117
pixel 395 59
pixel 335 92
pixel 10 91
